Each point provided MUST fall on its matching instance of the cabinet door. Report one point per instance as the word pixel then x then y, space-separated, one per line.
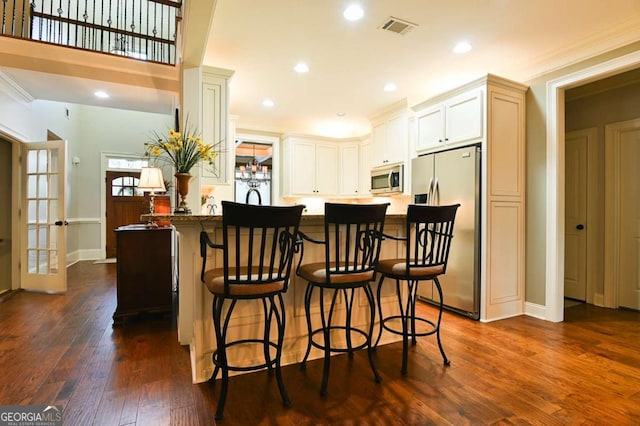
pixel 349 169
pixel 464 117
pixel 365 169
pixel 326 169
pixel 214 130
pixel 379 145
pixel 397 139
pixel 430 125
pixel 303 168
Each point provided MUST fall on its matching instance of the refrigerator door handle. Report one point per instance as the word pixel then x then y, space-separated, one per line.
pixel 437 192
pixel 430 193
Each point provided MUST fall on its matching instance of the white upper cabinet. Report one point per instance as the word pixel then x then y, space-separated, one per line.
pixel 390 138
pixel 454 121
pixel 326 160
pixel 311 167
pixel 365 168
pixel 349 170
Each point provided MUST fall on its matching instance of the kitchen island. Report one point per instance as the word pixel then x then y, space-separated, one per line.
pixel 195 325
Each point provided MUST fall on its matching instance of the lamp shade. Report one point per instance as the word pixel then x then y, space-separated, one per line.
pixel 151 179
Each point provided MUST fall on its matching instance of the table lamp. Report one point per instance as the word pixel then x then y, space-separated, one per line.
pixel 151 180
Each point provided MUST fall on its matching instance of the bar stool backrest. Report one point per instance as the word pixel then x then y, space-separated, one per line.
pixel 429 235
pixel 353 235
pixel 258 243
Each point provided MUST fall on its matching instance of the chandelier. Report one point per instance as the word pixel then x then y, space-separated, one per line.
pixel 254 173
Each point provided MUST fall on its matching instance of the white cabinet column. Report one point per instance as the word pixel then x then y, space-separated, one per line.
pixel 205 104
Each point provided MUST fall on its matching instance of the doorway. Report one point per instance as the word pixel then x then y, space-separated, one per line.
pixel 265 150
pixel 125 203
pixel 555 173
pixel 252 173
pixel 5 215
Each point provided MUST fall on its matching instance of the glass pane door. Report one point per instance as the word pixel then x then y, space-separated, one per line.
pixel 43 266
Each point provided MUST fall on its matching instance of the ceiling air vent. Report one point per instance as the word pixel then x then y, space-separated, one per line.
pixel 398 26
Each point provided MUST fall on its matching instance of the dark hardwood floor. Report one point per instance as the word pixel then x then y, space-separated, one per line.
pixel 62 349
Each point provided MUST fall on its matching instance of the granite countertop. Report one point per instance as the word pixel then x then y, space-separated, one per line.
pixel 184 218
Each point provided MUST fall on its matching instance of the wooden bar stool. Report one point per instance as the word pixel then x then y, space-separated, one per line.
pixel 429 232
pixel 352 239
pixel 258 244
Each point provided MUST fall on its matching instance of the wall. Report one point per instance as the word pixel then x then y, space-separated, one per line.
pixel 102 130
pixel 536 153
pixel 89 131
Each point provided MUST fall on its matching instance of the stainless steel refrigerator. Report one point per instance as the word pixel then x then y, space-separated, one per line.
pixel 452 177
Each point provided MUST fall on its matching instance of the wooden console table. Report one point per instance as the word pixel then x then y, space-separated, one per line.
pixel 144 270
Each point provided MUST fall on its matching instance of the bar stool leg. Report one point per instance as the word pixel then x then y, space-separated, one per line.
pixel 327 340
pixel 372 318
pixel 267 331
pixel 379 305
pixel 444 356
pixel 413 295
pixel 221 351
pixel 307 310
pixel 279 314
pixel 404 314
pixel 349 305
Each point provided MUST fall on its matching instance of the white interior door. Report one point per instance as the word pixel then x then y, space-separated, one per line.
pixel 622 216
pixel 43 253
pixel 575 238
pixel 629 229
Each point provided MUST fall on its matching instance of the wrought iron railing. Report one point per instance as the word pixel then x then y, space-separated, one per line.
pixel 141 29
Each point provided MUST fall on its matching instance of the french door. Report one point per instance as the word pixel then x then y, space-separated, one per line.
pixel 43 253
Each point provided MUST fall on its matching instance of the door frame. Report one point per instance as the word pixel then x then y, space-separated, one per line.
pixel 555 192
pixel 16 186
pixel 104 163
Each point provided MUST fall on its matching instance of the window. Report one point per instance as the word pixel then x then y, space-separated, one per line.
pixel 125 186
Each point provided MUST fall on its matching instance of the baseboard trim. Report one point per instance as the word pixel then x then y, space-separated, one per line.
pixel 87 254
pixel 535 310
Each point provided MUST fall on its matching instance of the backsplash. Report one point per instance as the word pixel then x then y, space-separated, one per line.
pixel 314 205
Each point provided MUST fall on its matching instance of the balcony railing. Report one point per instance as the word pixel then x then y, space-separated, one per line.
pixel 141 29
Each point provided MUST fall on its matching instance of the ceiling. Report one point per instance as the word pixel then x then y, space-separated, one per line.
pixel 350 62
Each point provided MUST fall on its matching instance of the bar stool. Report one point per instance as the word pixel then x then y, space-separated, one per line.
pixel 352 239
pixel 429 231
pixel 258 244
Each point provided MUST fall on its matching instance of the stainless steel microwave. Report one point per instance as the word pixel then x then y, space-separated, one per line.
pixel 387 179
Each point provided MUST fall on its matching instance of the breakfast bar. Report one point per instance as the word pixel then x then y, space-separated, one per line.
pixel 195 325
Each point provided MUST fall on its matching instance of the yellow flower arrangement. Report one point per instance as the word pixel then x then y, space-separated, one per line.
pixel 181 150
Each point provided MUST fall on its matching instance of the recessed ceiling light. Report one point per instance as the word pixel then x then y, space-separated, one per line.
pixel 301 68
pixel 340 113
pixel 101 94
pixel 268 103
pixel 462 47
pixel 390 87
pixel 353 13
